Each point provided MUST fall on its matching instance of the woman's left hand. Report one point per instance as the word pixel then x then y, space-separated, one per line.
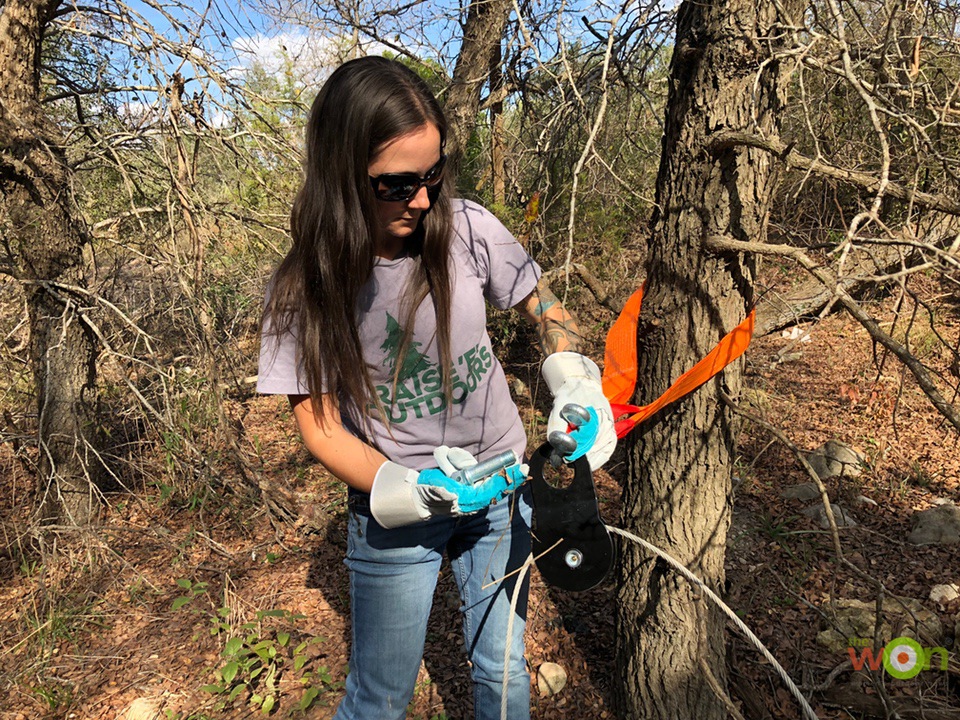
pixel 476 496
pixel 401 496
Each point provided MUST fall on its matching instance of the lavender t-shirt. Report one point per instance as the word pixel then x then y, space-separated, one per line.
pixel 487 264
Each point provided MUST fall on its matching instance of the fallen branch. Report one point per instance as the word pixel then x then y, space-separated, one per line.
pixel 854 700
pixel 884 260
pixel 825 276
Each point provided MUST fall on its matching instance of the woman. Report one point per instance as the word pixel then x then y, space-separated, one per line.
pixel 375 328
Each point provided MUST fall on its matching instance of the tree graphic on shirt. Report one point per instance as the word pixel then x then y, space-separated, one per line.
pixel 414 361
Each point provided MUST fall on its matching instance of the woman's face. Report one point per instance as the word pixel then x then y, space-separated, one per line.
pixel 414 152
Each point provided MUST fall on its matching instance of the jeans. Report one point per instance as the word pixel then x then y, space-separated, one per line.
pixel 393 574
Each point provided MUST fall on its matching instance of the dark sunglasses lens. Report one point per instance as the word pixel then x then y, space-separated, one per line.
pixel 435 174
pixel 397 188
pixel 403 186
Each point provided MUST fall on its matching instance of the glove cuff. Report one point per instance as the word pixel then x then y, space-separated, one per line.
pixel 561 366
pixel 392 500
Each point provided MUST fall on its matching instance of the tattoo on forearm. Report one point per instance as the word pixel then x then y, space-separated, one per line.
pixel 559 334
pixel 556 327
pixel 545 301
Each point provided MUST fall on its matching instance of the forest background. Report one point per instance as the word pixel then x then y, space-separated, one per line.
pixel 170 550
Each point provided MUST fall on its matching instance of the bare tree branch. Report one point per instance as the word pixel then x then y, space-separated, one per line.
pixel 726 139
pixel 919 372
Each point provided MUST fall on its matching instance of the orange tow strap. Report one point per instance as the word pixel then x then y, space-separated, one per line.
pixel 620 365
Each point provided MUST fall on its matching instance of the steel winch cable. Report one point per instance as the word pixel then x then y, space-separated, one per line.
pixel 683 570
pixel 676 565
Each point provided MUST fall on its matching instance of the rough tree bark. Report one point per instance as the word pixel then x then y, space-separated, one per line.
pixel 677 494
pixel 482 34
pixel 43 239
pixel 498 150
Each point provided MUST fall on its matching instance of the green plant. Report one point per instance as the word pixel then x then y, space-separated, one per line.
pixel 56 695
pixel 898 485
pixel 777 529
pixel 166 491
pixel 746 473
pixel 29 568
pixel 56 624
pixel 257 653
pixel 787 601
pixel 918 475
pixel 139 589
pixel 192 590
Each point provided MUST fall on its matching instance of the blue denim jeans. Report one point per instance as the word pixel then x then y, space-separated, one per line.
pixel 393 574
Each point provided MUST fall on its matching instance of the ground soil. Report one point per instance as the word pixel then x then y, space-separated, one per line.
pixel 88 627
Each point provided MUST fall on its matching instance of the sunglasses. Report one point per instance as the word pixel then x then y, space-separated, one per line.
pixel 400 187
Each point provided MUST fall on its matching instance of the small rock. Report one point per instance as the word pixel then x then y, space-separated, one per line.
pixel 804 491
pixel 834 459
pixel 857 619
pixel 842 517
pixel 551 679
pixel 519 388
pixel 795 333
pixel 143 709
pixel 937 526
pixel 943 594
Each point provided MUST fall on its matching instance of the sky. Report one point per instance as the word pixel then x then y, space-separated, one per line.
pixel 234 35
pixel 246 35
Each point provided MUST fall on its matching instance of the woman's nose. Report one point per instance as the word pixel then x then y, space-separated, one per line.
pixel 420 201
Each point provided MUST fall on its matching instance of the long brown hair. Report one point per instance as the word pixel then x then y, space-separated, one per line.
pixel 362 106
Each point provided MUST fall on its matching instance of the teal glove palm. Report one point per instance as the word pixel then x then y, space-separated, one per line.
pixel 401 496
pixel 472 498
pixel 575 379
pixel 585 436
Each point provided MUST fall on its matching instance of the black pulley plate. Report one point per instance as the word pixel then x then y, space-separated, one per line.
pixel 569 519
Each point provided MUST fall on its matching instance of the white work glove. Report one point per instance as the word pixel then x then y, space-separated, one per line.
pixel 573 378
pixel 401 496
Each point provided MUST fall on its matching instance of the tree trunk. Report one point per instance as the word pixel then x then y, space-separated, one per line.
pixel 498 171
pixel 44 239
pixel 677 493
pixel 486 22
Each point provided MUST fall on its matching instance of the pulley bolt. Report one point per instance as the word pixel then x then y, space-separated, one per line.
pixel 481 471
pixel 573 558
